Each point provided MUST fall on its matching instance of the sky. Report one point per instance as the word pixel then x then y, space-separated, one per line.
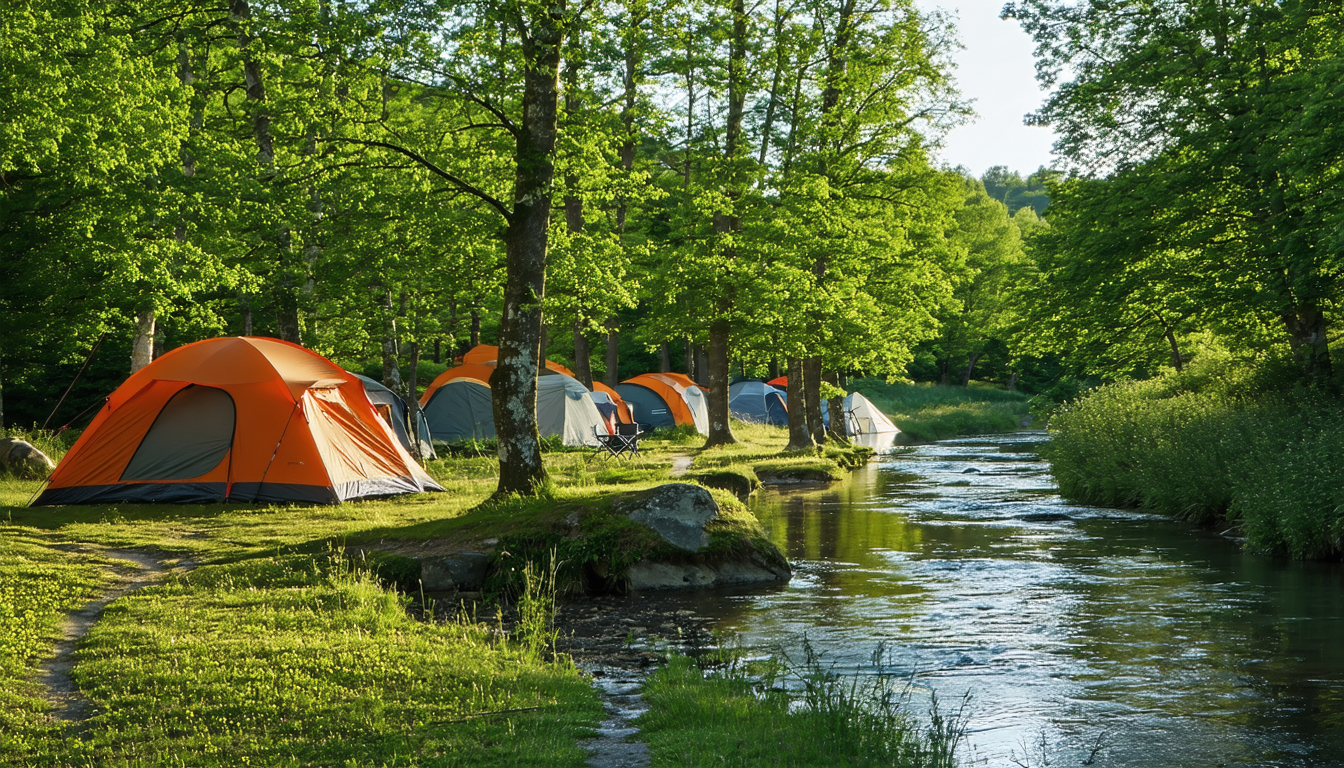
pixel 996 70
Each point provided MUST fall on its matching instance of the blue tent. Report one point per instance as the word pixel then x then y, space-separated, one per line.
pixel 756 402
pixel 392 408
pixel 646 406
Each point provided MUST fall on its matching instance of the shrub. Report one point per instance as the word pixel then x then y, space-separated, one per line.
pixel 1206 446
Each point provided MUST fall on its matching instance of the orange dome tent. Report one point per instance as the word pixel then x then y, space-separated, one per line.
pixel 781 382
pixel 237 419
pixel 660 400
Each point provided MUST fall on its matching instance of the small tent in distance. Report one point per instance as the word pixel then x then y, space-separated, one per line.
pixel 756 402
pixel 864 418
pixel 236 419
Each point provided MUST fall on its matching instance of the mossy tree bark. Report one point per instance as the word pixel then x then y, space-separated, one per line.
pixel 514 381
pixel 800 439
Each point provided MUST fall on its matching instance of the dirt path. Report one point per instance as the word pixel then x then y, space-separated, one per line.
pixel 68 703
pixel 681 465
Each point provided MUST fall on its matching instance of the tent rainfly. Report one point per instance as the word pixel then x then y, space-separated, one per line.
pixel 237 419
pixel 458 407
pixel 663 400
pixel 756 402
pixel 394 411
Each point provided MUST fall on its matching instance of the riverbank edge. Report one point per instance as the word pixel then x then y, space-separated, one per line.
pixel 260 555
pixel 1265 469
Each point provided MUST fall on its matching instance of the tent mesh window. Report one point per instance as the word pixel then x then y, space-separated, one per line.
pixel 190 436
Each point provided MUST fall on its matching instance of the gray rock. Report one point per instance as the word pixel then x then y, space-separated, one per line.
pixel 22 459
pixel 464 572
pixel 675 511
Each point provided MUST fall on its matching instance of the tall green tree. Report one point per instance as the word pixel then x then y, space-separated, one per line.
pixel 1210 121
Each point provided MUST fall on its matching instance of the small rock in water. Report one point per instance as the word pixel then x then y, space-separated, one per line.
pixel 970 471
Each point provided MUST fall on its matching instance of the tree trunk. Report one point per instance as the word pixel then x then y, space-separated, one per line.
pixel 664 358
pixel 438 350
pixel 142 346
pixel 774 368
pixel 835 408
pixel 613 374
pixel 1012 381
pixel 245 305
pixel 701 365
pixel 970 368
pixel 583 367
pixel 720 429
pixel 2 391
pixel 1176 361
pixel 287 313
pixel 800 438
pixel 514 381
pixel 1307 338
pixel 944 371
pixel 812 394
pixel 412 397
pixel 391 370
pixel 688 352
pixel 475 335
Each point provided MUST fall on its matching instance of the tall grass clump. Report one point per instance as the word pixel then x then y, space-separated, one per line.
pixel 788 712
pixel 1213 445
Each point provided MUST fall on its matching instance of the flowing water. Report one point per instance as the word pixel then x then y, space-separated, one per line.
pixel 1081 633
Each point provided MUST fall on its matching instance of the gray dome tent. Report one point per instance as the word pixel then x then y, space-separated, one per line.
pixel 392 408
pixel 756 402
pixel 461 409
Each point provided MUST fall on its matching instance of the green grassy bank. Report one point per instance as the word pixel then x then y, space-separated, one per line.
pixel 278 640
pixel 1216 445
pixel 928 412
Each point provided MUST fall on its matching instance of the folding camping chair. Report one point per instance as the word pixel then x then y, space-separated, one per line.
pixel 624 443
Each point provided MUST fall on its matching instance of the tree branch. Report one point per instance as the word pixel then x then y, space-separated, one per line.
pixel 464 186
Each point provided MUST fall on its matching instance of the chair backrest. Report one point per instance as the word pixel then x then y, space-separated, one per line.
pixel 627 429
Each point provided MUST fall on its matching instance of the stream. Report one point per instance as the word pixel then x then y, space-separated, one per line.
pixel 1084 636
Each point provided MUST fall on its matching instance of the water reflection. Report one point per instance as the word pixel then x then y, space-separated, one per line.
pixel 1169 645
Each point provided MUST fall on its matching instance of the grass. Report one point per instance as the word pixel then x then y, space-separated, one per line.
pixel 1211 447
pixel 927 412
pixel 780 714
pixel 294 642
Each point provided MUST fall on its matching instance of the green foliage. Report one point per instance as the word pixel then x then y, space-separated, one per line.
pixel 1213 446
pixel 1200 201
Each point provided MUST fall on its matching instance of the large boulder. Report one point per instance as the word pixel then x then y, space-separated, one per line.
pixel 22 459
pixel 676 511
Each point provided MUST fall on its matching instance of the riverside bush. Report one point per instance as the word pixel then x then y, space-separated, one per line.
pixel 1211 449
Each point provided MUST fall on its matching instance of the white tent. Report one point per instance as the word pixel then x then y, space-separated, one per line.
pixel 863 418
